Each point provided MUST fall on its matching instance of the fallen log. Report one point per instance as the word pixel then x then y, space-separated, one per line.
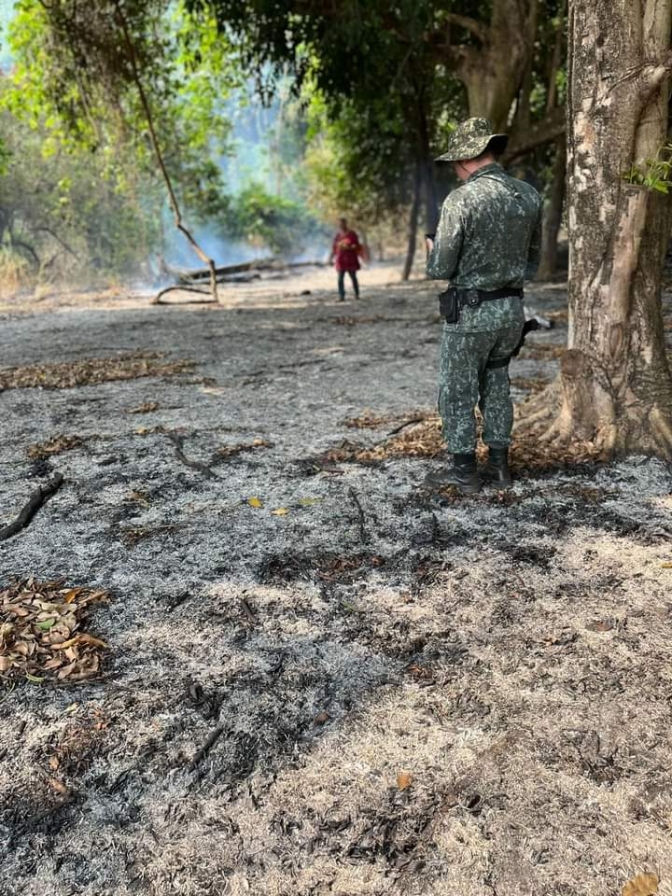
pixel 225 270
pixel 228 273
pixel 39 497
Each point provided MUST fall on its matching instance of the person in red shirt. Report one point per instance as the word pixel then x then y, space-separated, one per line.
pixel 346 250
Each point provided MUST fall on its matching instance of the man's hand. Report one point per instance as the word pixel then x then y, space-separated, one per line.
pixel 429 243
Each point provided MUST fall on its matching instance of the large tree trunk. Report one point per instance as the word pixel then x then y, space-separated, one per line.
pixel 615 387
pixel 553 214
pixel 494 74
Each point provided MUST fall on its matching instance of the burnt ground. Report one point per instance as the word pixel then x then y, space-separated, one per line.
pixel 356 687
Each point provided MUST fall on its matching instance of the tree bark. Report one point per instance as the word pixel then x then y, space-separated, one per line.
pixel 553 214
pixel 413 226
pixel 615 386
pixel 494 73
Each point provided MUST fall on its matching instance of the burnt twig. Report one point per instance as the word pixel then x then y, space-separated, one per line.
pixel 399 428
pixel 178 441
pixel 212 739
pixel 362 518
pixel 39 497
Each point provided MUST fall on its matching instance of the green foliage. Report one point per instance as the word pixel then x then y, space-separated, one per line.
pixel 72 212
pixel 74 78
pixel 653 174
pixel 266 220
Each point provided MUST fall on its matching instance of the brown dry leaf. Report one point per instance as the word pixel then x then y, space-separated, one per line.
pixel 6 663
pixel 404 780
pixel 641 885
pixel 255 502
pixel 81 639
pixel 666 565
pixel 322 718
pixel 57 785
pixel 67 671
pixel 145 408
pixel 229 451
pixel 54 446
pixel 54 763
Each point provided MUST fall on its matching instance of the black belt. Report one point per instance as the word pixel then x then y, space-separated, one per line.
pixel 474 297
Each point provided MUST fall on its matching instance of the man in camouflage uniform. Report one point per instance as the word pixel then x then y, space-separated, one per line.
pixel 487 244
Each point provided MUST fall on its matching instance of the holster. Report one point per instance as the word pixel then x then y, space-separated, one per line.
pixel 449 305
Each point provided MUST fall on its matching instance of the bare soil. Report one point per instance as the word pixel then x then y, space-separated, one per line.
pixel 321 679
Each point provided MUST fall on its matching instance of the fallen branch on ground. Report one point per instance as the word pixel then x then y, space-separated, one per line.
pixel 39 497
pixel 213 737
pixel 207 300
pixel 362 519
pixel 178 441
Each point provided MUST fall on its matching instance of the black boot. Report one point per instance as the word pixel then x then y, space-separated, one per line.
pixel 496 470
pixel 463 475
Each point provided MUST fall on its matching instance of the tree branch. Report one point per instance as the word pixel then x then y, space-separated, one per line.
pixel 478 29
pixel 36 500
pixel 549 128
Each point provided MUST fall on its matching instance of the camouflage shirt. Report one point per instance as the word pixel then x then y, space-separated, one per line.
pixel 489 235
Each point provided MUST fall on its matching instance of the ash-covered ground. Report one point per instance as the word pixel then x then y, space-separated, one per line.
pixel 356 687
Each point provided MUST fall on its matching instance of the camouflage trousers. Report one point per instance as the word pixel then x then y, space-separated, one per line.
pixel 465 380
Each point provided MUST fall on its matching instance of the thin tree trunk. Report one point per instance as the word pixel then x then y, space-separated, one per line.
pixel 553 214
pixel 144 101
pixel 413 225
pixel 615 388
pixel 556 60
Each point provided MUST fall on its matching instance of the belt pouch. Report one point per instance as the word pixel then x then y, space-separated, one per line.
pixel 449 306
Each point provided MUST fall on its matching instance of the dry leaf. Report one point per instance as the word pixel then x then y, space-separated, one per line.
pixel 322 718
pixel 57 785
pixel 255 502
pixel 642 885
pixel 404 780
pixel 666 565
pixel 308 502
pixel 280 511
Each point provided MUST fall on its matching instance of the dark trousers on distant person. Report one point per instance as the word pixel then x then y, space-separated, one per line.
pixel 341 283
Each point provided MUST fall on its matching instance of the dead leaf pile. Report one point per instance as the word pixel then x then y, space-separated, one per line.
pixel 229 451
pixel 57 445
pixel 41 632
pixel 424 440
pixel 91 371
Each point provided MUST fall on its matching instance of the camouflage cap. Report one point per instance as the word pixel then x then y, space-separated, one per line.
pixel 471 138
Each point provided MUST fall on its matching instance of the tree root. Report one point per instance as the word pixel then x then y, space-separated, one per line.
pixel 39 497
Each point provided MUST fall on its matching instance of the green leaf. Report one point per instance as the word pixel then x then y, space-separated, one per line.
pixel 46 624
pixel 35 679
